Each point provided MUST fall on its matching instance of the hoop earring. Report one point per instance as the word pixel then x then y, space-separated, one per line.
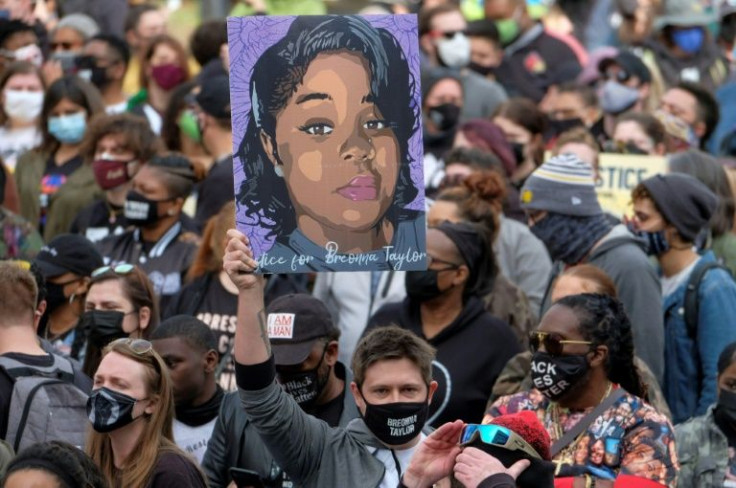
pixel 279 172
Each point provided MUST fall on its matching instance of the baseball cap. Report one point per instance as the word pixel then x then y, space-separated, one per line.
pixel 630 63
pixel 214 96
pixel 295 322
pixel 68 253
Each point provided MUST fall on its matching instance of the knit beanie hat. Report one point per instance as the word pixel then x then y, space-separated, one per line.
pixel 683 201
pixel 563 185
pixel 527 425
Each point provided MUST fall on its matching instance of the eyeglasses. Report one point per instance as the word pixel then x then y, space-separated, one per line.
pixel 497 435
pixel 553 343
pixel 121 269
pixel 431 260
pixel 138 346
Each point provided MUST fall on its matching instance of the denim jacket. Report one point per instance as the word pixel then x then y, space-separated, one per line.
pixel 690 364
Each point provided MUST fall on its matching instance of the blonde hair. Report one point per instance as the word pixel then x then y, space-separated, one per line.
pixel 157 437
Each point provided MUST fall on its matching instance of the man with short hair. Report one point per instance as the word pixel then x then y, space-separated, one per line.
pixel 392 388
pixel 215 128
pixel 143 23
pixel 110 56
pixel 669 213
pixel 189 348
pixel 444 44
pixel 305 345
pixel 695 106
pixel 627 83
pixel 18 339
pixel 564 213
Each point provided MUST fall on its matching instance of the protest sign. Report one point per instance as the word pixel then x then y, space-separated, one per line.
pixel 327 141
pixel 619 174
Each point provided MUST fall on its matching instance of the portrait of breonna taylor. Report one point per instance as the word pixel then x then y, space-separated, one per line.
pixel 327 142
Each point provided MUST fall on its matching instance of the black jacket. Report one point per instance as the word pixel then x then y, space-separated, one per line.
pixel 166 263
pixel 532 63
pixel 471 352
pixel 235 442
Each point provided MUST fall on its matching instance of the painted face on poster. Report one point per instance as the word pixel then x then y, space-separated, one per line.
pixel 328 173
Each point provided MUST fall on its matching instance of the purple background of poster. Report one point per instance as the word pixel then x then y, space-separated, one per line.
pixel 248 38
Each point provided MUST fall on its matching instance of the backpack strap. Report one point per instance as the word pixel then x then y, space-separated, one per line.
pixel 586 421
pixel 61 368
pixel 692 302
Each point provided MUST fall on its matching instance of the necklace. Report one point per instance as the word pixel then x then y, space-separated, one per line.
pixel 553 409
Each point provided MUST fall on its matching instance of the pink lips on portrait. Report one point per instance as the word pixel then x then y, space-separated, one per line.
pixel 360 188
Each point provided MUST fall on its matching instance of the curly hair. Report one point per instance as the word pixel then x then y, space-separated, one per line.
pixel 279 72
pixel 603 321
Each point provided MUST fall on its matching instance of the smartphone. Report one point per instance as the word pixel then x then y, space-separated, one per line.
pixel 245 478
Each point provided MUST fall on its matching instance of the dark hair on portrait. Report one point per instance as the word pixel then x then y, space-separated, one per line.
pixel 276 76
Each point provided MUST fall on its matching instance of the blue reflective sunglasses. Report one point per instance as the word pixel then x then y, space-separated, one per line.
pixel 497 435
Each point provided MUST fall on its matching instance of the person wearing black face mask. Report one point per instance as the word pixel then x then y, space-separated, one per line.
pixel 158 241
pixel 669 213
pixel 392 388
pixel 712 436
pixel 120 303
pixel 444 306
pixel 442 101
pixel 587 390
pixel 564 213
pixel 66 263
pixel 305 346
pixel 107 57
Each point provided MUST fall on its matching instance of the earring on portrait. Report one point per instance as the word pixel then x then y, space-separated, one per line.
pixel 279 172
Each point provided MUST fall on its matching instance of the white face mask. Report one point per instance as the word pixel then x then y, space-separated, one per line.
pixel 30 53
pixel 24 106
pixel 455 52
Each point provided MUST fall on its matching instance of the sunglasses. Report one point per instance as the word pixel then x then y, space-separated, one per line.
pixel 121 269
pixel 497 435
pixel 138 346
pixel 432 260
pixel 553 343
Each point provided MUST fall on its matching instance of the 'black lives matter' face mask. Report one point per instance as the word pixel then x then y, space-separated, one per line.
pixel 554 376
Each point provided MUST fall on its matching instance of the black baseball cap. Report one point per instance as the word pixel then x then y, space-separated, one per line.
pixel 295 322
pixel 630 63
pixel 68 253
pixel 214 96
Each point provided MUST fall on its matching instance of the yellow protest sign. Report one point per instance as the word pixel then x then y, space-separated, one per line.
pixel 619 174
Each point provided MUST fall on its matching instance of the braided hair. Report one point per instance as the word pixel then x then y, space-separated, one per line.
pixel 603 321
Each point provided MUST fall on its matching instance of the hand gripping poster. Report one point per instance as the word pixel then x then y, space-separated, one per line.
pixel 327 142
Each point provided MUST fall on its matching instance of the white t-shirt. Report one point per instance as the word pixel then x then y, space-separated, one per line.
pixel 193 440
pixel 15 142
pixel 669 285
pixel 389 458
pixel 116 108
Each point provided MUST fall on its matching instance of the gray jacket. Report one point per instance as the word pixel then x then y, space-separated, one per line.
pixel 235 442
pixel 622 257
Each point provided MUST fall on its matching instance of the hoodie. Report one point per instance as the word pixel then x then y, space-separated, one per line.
pixel 621 255
pixel 471 352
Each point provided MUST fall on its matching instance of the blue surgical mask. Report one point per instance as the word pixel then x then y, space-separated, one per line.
pixel 689 40
pixel 68 129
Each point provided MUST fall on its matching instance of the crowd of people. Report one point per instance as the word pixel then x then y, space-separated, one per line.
pixel 551 342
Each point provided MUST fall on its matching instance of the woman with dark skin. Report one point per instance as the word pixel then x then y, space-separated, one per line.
pixel 584 354
pixel 326 158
